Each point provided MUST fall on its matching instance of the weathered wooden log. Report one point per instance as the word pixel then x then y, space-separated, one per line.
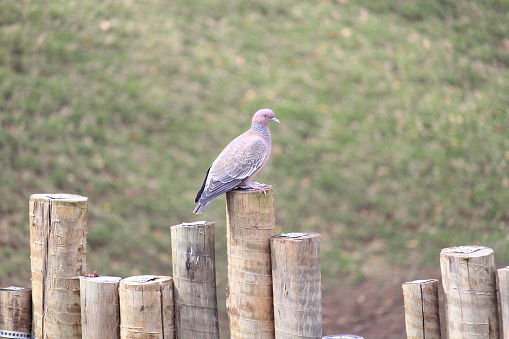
pixel 343 336
pixel 146 307
pixel 15 312
pixel 468 278
pixel 58 238
pixel 194 278
pixel 100 310
pixel 297 285
pixel 250 224
pixel 422 319
pixel 503 295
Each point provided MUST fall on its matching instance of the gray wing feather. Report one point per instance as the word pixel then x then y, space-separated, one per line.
pixel 216 188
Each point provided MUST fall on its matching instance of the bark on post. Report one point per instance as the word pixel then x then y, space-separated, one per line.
pixel 250 224
pixel 503 294
pixel 15 312
pixel 422 319
pixel 194 278
pixel 468 278
pixel 297 285
pixel 58 238
pixel 100 310
pixel 146 307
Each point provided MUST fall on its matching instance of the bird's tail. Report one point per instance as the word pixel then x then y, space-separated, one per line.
pixel 201 207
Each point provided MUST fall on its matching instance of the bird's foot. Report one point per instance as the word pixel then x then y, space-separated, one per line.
pixel 255 186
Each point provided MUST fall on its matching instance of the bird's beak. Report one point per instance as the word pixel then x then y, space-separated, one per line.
pixel 275 119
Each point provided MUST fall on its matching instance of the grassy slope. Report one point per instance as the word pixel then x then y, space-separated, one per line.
pixel 392 143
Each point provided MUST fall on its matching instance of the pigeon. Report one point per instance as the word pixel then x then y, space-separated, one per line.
pixel 239 162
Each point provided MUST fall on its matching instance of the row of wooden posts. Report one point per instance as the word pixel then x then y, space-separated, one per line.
pixel 274 281
pixel 476 297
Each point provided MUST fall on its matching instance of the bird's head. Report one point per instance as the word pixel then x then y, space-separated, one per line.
pixel 264 116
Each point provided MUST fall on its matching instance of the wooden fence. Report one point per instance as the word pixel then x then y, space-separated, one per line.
pixel 475 298
pixel 274 282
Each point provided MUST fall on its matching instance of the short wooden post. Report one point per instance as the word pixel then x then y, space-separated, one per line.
pixel 100 310
pixel 422 319
pixel 297 285
pixel 146 307
pixel 58 238
pixel 15 312
pixel 503 295
pixel 468 278
pixel 250 224
pixel 194 278
pixel 343 336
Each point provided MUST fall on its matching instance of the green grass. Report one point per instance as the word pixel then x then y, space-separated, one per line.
pixel 392 143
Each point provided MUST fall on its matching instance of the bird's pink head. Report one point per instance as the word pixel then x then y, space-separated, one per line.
pixel 264 116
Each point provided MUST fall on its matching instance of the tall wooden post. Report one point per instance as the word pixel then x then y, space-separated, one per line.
pixel 146 307
pixel 15 312
pixel 250 224
pixel 58 238
pixel 503 294
pixel 100 310
pixel 422 319
pixel 468 278
pixel 297 285
pixel 194 278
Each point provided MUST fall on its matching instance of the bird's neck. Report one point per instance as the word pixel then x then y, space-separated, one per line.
pixel 262 130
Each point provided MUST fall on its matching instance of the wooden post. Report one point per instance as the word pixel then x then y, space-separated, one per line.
pixel 297 285
pixel 100 310
pixel 146 307
pixel 343 336
pixel 58 238
pixel 250 224
pixel 194 278
pixel 503 294
pixel 15 312
pixel 468 278
pixel 422 317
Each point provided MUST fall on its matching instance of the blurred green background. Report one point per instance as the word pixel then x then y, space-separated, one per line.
pixel 392 143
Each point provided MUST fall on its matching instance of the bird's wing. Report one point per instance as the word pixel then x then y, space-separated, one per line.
pixel 241 158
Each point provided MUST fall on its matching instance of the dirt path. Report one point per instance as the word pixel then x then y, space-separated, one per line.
pixel 370 309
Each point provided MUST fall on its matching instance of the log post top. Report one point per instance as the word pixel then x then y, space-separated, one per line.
pixel 268 191
pixel 145 279
pixel 63 199
pixel 420 281
pixel 294 236
pixel 195 224
pixel 467 251
pixel 15 288
pixel 102 279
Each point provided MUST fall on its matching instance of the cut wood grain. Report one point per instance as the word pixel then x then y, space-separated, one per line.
pixel 468 278
pixel 297 285
pixel 422 319
pixel 100 310
pixel 58 238
pixel 146 307
pixel 250 224
pixel 15 312
pixel 503 295
pixel 194 278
